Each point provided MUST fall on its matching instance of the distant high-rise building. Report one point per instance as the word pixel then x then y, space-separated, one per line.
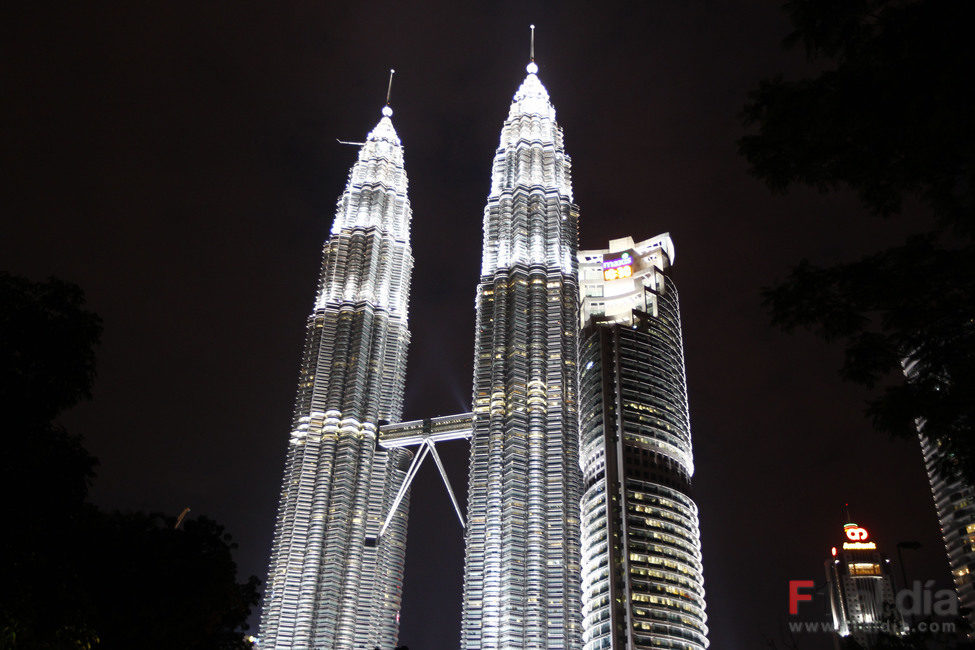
pixel 643 583
pixel 333 582
pixel 861 590
pixel 521 575
pixel 954 500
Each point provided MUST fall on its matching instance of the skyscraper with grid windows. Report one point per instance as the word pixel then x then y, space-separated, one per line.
pixel 642 573
pixel 954 501
pixel 333 582
pixel 521 576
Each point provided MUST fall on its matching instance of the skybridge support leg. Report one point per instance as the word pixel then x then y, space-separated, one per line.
pixel 424 434
pixel 446 482
pixel 407 481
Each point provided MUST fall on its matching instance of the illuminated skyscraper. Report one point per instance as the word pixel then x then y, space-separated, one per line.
pixel 954 500
pixel 861 590
pixel 331 582
pixel 642 574
pixel 521 576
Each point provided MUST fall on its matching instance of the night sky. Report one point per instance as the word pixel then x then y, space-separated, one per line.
pixel 179 161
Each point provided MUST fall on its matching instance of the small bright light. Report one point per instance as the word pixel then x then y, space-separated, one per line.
pixel 532 68
pixel 387 111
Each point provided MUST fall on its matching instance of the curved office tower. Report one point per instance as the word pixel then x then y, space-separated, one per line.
pixel 954 501
pixel 643 583
pixel 521 576
pixel 331 582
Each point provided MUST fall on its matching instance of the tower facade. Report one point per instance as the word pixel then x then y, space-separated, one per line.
pixel 642 574
pixel 861 589
pixel 954 501
pixel 521 575
pixel 332 581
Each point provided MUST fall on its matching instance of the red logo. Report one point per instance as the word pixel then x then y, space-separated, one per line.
pixel 855 533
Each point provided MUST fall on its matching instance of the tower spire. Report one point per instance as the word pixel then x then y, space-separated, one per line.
pixel 532 67
pixel 387 110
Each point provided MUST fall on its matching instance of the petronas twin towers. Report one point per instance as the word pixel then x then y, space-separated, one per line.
pixel 336 567
pixel 327 587
pixel 521 576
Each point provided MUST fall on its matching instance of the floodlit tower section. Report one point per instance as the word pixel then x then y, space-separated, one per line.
pixel 861 590
pixel 642 573
pixel 521 575
pixel 954 500
pixel 333 582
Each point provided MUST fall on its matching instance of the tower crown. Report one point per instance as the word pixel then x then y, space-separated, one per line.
pixel 375 193
pixel 530 218
pixel 532 97
pixel 371 230
pixel 384 131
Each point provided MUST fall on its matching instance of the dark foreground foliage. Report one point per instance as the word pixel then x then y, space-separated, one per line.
pixel 75 576
pixel 890 117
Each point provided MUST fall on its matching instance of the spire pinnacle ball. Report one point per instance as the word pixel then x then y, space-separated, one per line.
pixel 387 111
pixel 531 68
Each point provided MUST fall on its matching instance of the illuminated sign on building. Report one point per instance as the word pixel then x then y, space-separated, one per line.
pixel 858 539
pixel 617 268
pixel 855 533
pixel 618 273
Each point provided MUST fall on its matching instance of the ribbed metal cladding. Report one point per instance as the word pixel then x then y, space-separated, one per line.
pixel 326 587
pixel 521 577
pixel 643 583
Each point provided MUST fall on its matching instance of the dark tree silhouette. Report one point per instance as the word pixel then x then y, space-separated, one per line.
pixel 74 576
pixel 152 586
pixel 47 350
pixel 47 364
pixel 890 117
